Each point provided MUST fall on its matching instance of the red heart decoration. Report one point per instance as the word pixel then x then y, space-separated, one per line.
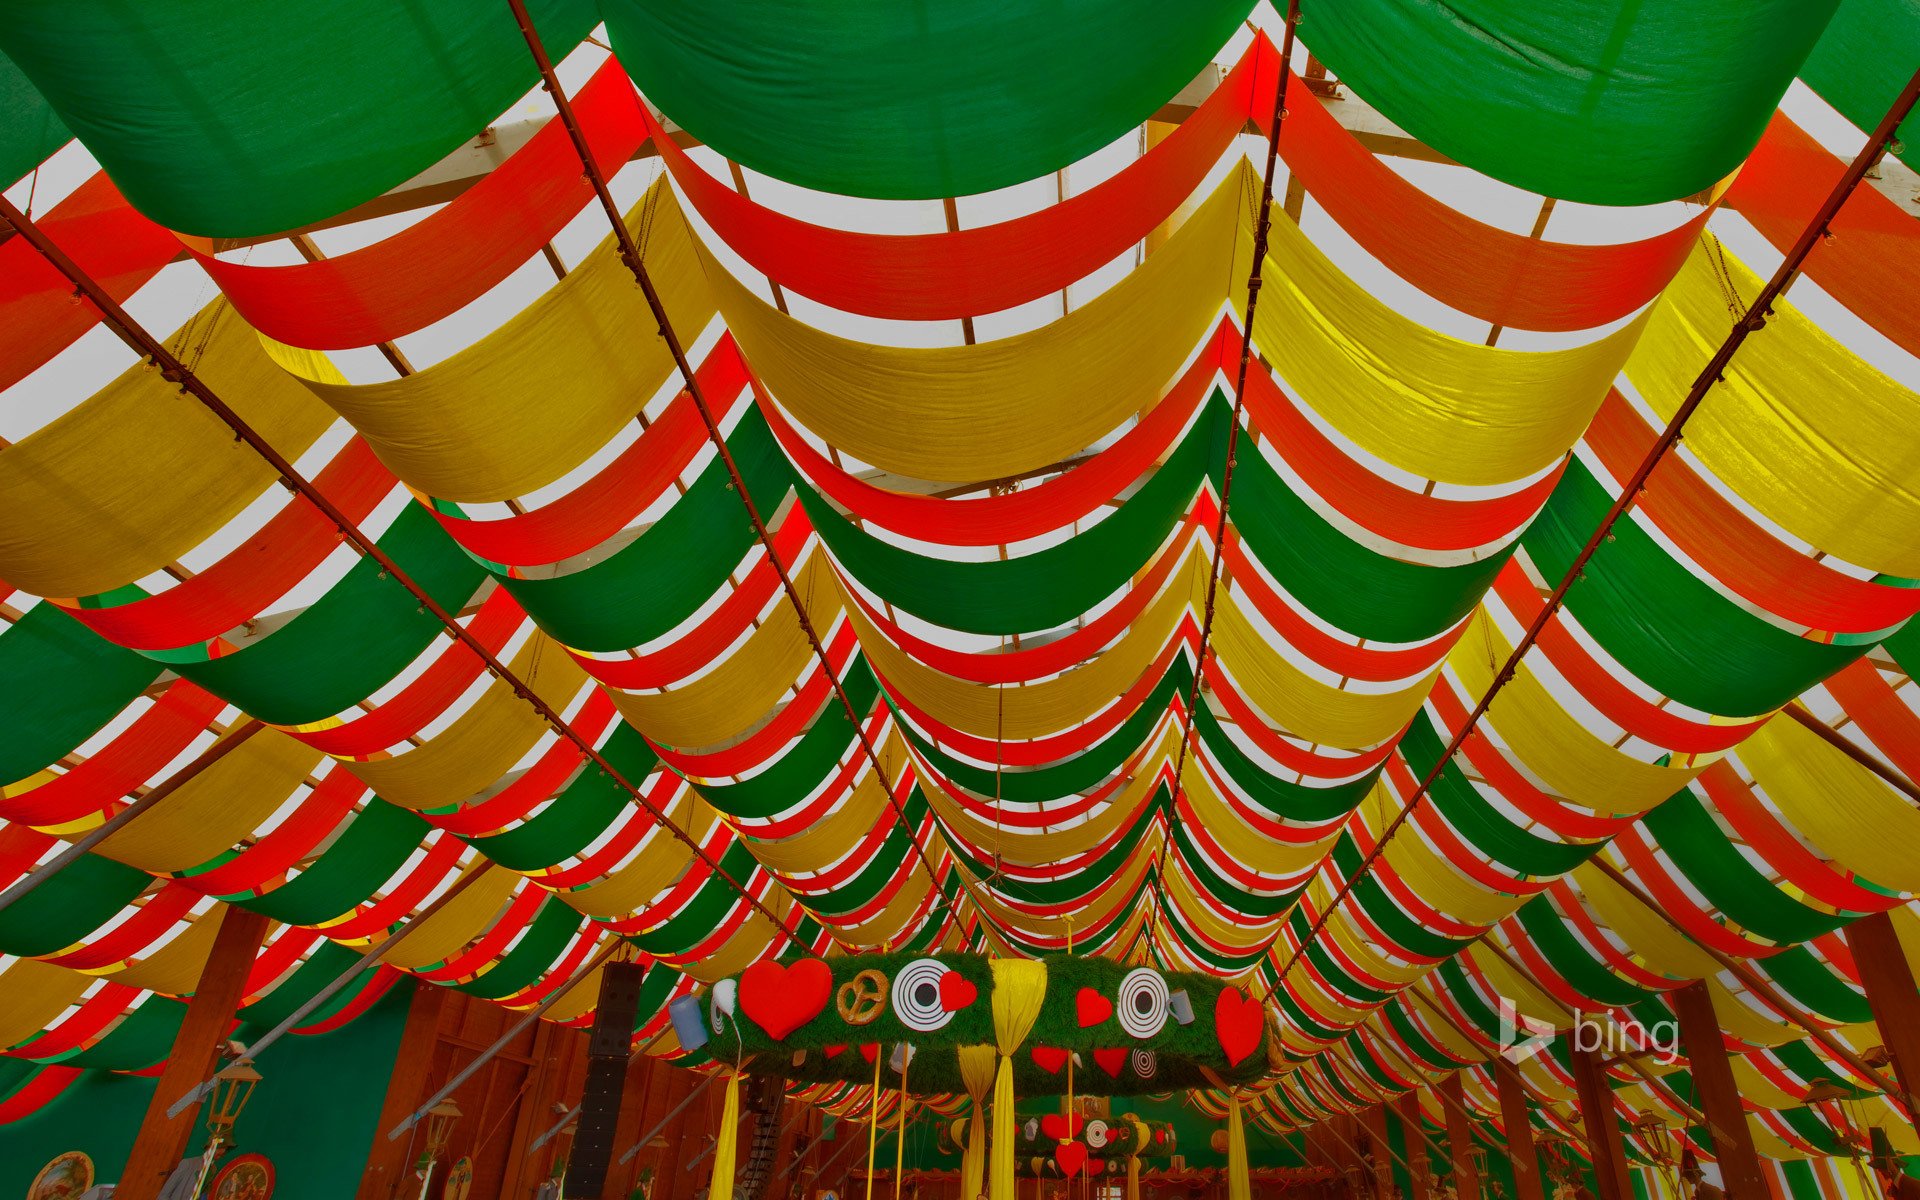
pixel 1091 1007
pixel 1058 1127
pixel 870 1050
pixel 1071 1156
pixel 782 998
pixel 956 992
pixel 836 1050
pixel 1050 1058
pixel 1111 1061
pixel 1239 1021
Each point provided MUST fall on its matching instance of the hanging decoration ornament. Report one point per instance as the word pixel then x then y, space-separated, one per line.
pixel 1046 1149
pixel 1092 1012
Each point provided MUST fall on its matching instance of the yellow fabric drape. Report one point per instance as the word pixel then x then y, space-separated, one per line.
pixel 448 931
pixel 138 474
pixel 1302 705
pixel 1239 1187
pixel 523 406
pixel 726 1149
pixel 485 741
pixel 217 809
pixel 976 1072
pixel 1836 804
pixel 1551 742
pixel 1019 989
pixel 1051 705
pixel 1801 428
pixel 873 1121
pixel 1010 405
pixel 1435 405
pixel 900 1128
pixel 736 694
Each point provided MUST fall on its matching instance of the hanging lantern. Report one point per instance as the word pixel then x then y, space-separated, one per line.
pixel 1838 1106
pixel 440 1121
pixel 1656 1138
pixel 232 1088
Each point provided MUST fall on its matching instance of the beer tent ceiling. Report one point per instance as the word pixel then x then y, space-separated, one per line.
pixel 946 649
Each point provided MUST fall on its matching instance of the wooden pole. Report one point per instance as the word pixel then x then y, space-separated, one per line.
pixel 1413 1132
pixel 196 1052
pixel 1375 1120
pixel 1453 1093
pixel 388 1162
pixel 1719 1095
pixel 1604 1145
pixel 1891 994
pixel 1513 1113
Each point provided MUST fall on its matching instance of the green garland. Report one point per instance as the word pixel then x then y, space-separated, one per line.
pixel 824 1047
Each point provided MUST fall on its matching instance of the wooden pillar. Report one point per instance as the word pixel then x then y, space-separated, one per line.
pixel 1513 1113
pixel 1891 994
pixel 1381 1149
pixel 1604 1143
pixel 1413 1135
pixel 1718 1094
pixel 223 981
pixel 1453 1098
pixel 387 1161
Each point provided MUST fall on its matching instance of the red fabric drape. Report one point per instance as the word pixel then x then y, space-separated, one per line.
pixel 440 263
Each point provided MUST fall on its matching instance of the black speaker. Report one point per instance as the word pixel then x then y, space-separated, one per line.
pixel 607 1049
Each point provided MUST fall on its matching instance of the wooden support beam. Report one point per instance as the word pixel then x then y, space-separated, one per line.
pixel 388 1163
pixel 1719 1095
pixel 1413 1135
pixel 196 1053
pixel 1379 1149
pixel 1514 1115
pixel 1453 1095
pixel 1605 1147
pixel 1891 994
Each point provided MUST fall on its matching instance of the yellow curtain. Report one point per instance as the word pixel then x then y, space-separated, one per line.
pixel 1804 431
pixel 976 1071
pixel 484 742
pixel 1836 804
pixel 486 423
pixel 726 1149
pixel 1019 989
pixel 1435 405
pixel 138 474
pixel 213 812
pixel 1009 405
pixel 1238 1185
pixel 1567 759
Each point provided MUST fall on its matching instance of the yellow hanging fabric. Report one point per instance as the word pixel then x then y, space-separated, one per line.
pixel 1019 989
pixel 900 1137
pixel 727 1148
pixel 873 1124
pixel 976 1071
pixel 1238 1186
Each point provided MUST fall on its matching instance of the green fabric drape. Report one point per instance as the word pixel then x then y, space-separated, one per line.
pixel 344 647
pixel 237 120
pixel 30 131
pixel 1863 60
pixel 1588 100
pixel 660 578
pixel 59 684
pixel 913 100
pixel 1664 623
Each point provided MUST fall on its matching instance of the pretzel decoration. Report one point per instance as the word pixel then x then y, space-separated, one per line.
pixel 863 998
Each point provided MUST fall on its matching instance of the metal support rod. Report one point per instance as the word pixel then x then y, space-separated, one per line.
pixel 78 850
pixel 500 1043
pixel 1759 987
pixel 630 255
pixel 371 957
pixel 174 371
pixel 640 1142
pixel 1754 320
pixel 1262 227
pixel 1853 750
